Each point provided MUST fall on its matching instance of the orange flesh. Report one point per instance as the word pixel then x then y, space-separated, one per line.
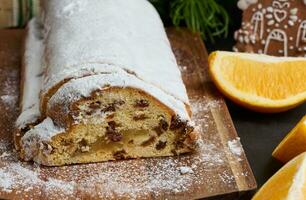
pixel 293 144
pixel 278 187
pixel 271 80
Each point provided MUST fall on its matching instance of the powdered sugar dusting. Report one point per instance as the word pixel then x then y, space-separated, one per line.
pixel 123 179
pixel 71 8
pixel 210 154
pixel 3 146
pixel 164 176
pixel 203 104
pixel 17 176
pixel 32 76
pixel 235 147
pixel 185 170
pixel 4 155
pixel 227 178
pixel 201 107
pixel 116 39
pixel 8 96
pixel 24 178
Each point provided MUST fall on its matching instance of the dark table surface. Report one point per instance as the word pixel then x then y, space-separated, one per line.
pixel 259 133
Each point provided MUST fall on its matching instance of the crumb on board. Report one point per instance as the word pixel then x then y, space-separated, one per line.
pixel 185 170
pixel 235 147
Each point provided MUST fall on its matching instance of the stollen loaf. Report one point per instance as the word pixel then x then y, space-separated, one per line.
pixel 100 82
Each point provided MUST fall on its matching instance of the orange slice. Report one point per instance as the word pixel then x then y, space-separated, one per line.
pixel 260 82
pixel 289 183
pixel 293 144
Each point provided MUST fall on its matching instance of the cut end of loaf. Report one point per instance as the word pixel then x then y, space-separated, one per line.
pixel 113 124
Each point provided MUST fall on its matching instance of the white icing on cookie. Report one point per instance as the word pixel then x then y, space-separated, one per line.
pixel 32 77
pixel 244 4
pixel 280 20
pixel 301 36
pixel 279 36
pixel 133 39
pixel 258 22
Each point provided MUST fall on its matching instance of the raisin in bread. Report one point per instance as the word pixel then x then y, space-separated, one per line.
pixel 100 82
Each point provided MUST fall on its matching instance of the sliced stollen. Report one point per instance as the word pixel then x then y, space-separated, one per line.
pixel 100 82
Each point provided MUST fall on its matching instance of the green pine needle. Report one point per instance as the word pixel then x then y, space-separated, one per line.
pixel 204 16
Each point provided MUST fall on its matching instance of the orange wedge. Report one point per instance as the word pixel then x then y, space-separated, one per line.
pixel 260 82
pixel 293 144
pixel 289 183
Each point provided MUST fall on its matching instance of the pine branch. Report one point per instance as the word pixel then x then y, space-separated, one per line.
pixel 204 16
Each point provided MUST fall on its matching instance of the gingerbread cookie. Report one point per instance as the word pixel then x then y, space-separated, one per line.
pixel 273 27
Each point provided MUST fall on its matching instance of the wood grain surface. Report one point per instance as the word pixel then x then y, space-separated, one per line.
pixel 219 170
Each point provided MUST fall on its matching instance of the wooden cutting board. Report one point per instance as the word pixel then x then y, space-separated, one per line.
pixel 219 168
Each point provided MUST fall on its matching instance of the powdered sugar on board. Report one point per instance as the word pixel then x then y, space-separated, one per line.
pixel 8 96
pixel 112 179
pixel 24 178
pixel 130 178
pixel 158 178
pixel 201 107
pixel 235 147
pixel 123 179
pixel 186 170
